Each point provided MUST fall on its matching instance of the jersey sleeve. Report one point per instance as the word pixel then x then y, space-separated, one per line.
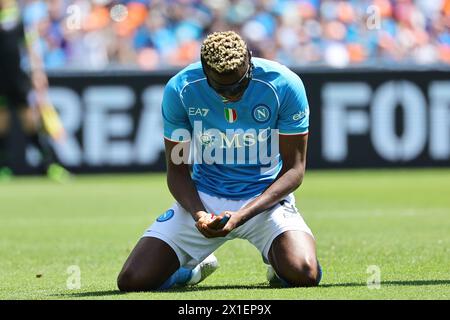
pixel 293 117
pixel 174 114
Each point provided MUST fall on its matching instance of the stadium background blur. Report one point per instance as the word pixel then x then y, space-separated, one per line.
pixel 162 34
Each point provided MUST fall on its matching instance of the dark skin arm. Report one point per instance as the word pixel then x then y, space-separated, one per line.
pixel 179 178
pixel 181 185
pixel 293 153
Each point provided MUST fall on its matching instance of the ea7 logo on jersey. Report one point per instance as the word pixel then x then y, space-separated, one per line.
pixel 203 112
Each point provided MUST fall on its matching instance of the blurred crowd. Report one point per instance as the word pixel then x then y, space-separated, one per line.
pixel 155 34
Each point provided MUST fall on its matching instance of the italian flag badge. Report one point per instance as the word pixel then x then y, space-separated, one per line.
pixel 230 115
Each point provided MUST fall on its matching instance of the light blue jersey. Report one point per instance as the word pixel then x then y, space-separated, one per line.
pixel 238 133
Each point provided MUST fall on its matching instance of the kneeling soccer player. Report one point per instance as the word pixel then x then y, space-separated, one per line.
pixel 233 110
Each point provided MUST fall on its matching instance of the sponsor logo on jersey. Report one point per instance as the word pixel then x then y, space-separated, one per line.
pixel 232 147
pixel 206 138
pixel 300 115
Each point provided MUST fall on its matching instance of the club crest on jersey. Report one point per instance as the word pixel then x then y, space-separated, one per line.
pixel 261 113
pixel 230 115
pixel 166 216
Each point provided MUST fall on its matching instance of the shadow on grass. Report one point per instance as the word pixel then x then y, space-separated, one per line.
pixel 392 283
pixel 89 294
pixel 252 287
pixel 263 285
pixel 185 289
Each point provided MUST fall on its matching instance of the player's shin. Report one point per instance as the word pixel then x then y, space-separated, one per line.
pixel 54 171
pixel 3 153
pixel 5 171
pixel 40 141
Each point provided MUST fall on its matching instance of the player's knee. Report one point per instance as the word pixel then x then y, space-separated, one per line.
pixel 125 281
pixel 130 281
pixel 303 274
pixel 4 121
pixel 30 124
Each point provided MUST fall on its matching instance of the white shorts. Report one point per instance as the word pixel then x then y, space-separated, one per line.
pixel 191 247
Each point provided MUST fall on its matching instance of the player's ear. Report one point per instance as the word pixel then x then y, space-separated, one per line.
pixel 249 53
pixel 204 65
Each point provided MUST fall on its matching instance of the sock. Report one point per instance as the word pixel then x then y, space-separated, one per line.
pixel 284 283
pixel 319 276
pixel 42 143
pixel 196 275
pixel 180 277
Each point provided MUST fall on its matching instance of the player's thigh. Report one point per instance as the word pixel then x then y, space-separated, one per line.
pixel 4 118
pixel 150 263
pixel 263 229
pixel 18 91
pixel 29 119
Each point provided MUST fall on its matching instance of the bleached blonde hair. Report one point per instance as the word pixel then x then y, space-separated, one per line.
pixel 224 51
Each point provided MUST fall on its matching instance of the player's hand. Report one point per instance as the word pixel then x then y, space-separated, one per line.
pixel 199 215
pixel 203 218
pixel 211 226
pixel 203 221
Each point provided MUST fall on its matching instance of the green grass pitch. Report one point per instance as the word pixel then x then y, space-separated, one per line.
pixel 397 220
